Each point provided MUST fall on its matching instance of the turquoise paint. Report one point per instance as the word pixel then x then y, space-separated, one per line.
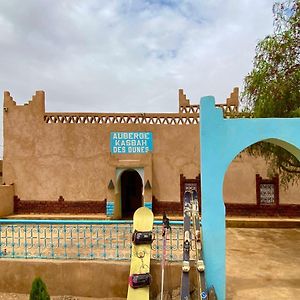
pixel 77 239
pixel 110 207
pixel 148 205
pixel 131 142
pixel 221 140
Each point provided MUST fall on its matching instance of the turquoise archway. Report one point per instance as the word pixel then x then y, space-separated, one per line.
pixel 221 140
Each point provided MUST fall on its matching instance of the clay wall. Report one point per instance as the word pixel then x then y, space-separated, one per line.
pixel 48 155
pixel 81 278
pixel 6 200
pixel 47 160
pixel 240 182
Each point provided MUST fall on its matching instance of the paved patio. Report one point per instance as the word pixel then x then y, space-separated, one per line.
pixel 263 264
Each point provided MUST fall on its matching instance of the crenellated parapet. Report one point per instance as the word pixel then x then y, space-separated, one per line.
pixel 188 113
pixel 232 103
pixel 230 108
pixel 233 100
pixel 183 100
pixel 184 104
pixel 36 104
pixel 8 99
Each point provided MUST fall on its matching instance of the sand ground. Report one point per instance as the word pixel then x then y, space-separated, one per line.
pixel 262 264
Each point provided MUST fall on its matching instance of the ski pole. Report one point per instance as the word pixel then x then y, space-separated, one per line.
pixel 166 226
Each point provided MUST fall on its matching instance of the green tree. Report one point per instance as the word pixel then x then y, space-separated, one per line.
pixel 272 88
pixel 39 290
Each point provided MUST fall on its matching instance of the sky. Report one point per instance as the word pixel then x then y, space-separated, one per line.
pixel 128 56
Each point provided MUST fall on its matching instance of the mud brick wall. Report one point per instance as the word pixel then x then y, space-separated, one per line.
pixel 60 206
pixel 284 210
pixel 169 207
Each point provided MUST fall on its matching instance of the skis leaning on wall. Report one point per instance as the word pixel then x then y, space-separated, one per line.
pixel 185 286
pixel 201 287
pixel 202 291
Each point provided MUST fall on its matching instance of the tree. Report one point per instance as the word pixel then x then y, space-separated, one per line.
pixel 272 88
pixel 39 290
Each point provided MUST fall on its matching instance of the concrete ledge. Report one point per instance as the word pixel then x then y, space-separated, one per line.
pixel 262 223
pixel 233 222
pixel 99 279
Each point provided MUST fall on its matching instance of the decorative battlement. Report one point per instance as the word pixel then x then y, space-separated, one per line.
pixel 188 114
pixel 107 118
pixel 189 109
pixel 184 104
pixel 232 103
pixel 8 98
pixel 230 108
pixel 183 100
pixel 233 100
pixel 37 101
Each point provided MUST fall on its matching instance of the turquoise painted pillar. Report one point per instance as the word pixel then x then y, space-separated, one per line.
pixel 221 140
pixel 213 210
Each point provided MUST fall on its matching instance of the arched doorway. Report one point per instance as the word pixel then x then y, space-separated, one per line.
pixel 131 192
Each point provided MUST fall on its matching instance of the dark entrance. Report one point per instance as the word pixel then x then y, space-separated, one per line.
pixel 131 192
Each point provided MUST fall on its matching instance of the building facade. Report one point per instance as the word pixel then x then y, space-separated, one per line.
pixel 113 163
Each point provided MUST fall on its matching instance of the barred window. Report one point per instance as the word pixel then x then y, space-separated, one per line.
pixel 267 190
pixel 267 193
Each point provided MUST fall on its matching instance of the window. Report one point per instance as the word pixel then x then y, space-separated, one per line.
pixel 267 191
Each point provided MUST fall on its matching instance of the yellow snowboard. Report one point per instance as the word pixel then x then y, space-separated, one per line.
pixel 140 254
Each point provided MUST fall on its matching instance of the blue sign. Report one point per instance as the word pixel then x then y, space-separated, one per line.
pixel 130 142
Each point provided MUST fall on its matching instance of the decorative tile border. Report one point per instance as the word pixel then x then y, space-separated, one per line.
pixel 148 205
pixel 110 207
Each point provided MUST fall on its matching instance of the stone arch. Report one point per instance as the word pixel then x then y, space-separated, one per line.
pixel 221 140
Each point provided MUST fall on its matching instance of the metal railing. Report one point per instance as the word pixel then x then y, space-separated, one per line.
pixel 81 239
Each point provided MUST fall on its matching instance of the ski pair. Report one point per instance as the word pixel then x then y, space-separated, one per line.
pixel 191 214
pixel 185 284
pixel 203 292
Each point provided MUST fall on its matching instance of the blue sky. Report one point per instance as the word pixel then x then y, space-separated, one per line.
pixel 128 56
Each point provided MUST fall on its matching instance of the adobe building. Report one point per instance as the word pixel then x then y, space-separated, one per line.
pixel 113 163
